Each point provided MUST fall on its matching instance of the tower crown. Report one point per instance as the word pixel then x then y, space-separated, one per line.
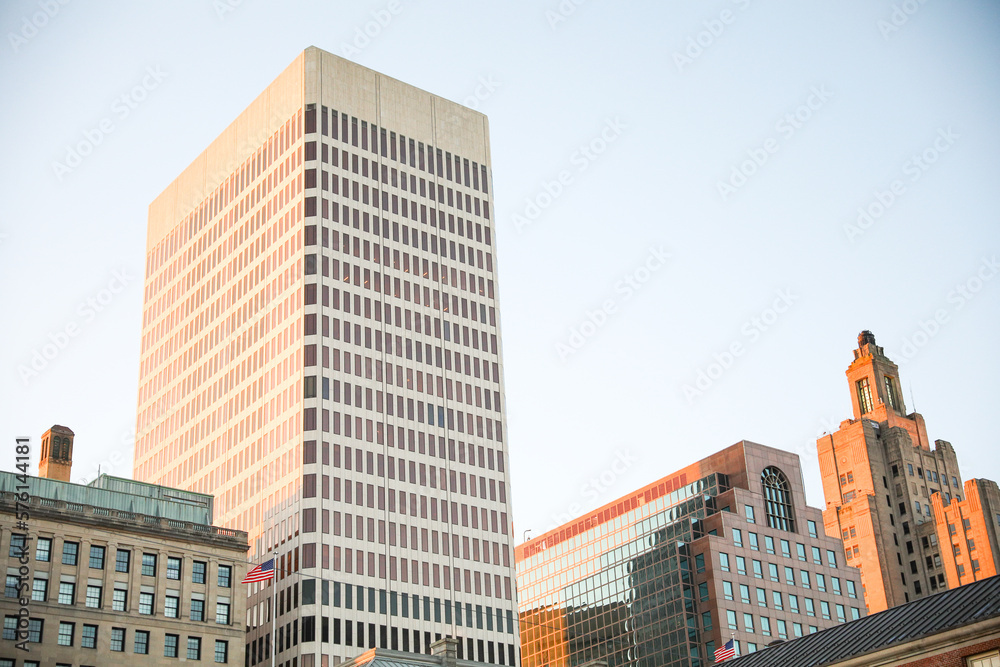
pixel 57 453
pixel 874 381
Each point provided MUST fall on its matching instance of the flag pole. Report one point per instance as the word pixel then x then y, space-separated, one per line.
pixel 274 609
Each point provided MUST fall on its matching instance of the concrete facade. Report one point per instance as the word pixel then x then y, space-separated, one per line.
pixel 101 585
pixel 880 479
pixel 668 573
pixel 321 351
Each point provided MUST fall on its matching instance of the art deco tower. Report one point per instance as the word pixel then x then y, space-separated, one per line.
pixel 321 351
pixel 898 503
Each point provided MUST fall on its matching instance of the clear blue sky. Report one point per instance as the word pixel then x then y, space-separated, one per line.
pixel 668 177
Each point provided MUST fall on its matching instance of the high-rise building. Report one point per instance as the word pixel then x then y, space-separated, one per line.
pixel 321 351
pixel 724 548
pixel 896 502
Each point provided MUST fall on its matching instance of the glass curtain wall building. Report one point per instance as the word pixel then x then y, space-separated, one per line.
pixel 661 577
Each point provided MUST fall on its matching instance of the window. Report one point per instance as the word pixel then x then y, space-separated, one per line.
pixel 744 594
pixel 804 578
pixel 173 568
pixel 761 597
pixel 776 600
pixel 731 619
pixel 810 607
pixel 724 562
pixel 67 592
pixel 118 639
pixel 831 558
pixel 146 604
pixel 118 599
pixel 777 499
pixel 841 617
pixel 772 571
pixel 149 565
pixel 909 468
pixel 797 629
pixel 43 549
pixel 141 644
pixel 821 582
pixel 786 549
pixel 88 638
pixel 93 596
pixel 198 569
pixel 10 627
pixel 699 562
pixel 890 392
pixel 225 576
pixel 748 622
pixel 800 551
pixel 66 632
pixel 194 648
pixel 35 627
pixel 855 613
pixel 40 590
pixel 835 583
pixel 171 608
pixel 706 621
pixel 197 610
pixel 793 603
pixel 754 544
pixel 765 626
pixel 758 570
pixel 864 396
pixel 812 527
pixel 991 659
pixel 789 576
pixel 70 552
pixel 13 586
pixel 737 537
pixel 741 565
pixel 170 643
pixel 749 513
pixel 221 651
pixel 122 560
pixel 817 555
pixel 222 610
pixel 851 592
pixel 769 544
pixel 824 609
pixel 17 545
pixel 97 557
pixel 782 630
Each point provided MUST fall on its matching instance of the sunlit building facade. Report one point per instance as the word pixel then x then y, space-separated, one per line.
pixel 898 503
pixel 321 352
pixel 724 548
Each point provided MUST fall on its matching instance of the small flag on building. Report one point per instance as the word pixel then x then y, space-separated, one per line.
pixel 726 651
pixel 262 572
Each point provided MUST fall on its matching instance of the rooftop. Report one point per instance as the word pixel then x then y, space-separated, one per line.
pixel 932 615
pixel 116 493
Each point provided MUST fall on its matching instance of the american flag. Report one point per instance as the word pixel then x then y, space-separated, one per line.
pixel 262 572
pixel 726 651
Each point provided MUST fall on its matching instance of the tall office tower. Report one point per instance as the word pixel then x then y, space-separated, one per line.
pixel 321 351
pixel 883 484
pixel 725 548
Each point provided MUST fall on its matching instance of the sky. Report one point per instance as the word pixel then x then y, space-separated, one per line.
pixel 699 205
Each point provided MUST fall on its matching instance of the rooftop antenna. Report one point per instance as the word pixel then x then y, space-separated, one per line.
pixel 913 403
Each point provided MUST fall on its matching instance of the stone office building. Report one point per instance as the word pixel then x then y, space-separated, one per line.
pixel 116 572
pixel 724 548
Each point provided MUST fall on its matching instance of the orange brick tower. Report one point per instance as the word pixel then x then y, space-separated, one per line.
pixel 880 475
pixel 57 453
pixel 967 529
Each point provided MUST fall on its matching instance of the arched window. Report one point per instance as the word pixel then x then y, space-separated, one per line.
pixel 777 499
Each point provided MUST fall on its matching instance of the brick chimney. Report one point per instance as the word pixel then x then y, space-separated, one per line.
pixel 57 453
